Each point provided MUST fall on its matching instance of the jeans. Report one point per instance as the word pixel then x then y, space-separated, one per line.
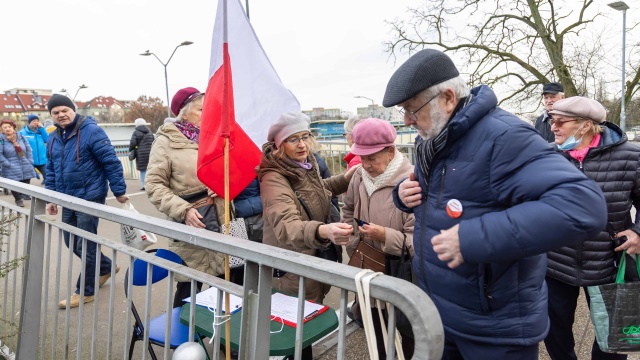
pixel 143 174
pixel 563 299
pixel 42 168
pixel 88 223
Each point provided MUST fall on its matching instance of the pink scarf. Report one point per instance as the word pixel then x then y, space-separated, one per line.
pixel 189 130
pixel 582 153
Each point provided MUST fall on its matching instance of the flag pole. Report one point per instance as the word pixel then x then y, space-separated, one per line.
pixel 227 270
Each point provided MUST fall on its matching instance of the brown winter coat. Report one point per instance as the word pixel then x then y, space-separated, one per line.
pixel 379 210
pixel 286 224
pixel 171 174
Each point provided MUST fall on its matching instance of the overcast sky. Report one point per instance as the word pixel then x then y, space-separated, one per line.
pixel 326 52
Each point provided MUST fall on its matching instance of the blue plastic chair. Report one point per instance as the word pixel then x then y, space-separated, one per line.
pixel 179 332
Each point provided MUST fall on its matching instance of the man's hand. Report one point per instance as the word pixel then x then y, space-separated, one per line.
pixel 410 192
pixel 349 174
pixel 447 246
pixel 338 233
pixel 632 245
pixel 193 219
pixel 372 232
pixel 122 199
pixel 52 209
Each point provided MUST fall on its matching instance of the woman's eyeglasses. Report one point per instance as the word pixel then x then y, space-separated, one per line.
pixel 296 140
pixel 560 123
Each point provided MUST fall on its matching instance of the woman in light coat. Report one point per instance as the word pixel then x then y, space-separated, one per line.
pixel 369 198
pixel 173 187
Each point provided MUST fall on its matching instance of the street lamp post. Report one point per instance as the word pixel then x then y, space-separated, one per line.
pixel 166 79
pixel 622 6
pixel 83 86
pixel 364 97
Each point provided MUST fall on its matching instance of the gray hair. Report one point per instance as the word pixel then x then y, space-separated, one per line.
pixel 187 107
pixel 351 123
pixel 457 83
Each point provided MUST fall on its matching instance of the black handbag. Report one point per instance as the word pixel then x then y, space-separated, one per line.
pixel 401 267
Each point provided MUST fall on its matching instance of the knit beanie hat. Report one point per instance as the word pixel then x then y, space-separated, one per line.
pixel 288 124
pixel 32 117
pixel 140 122
pixel 60 100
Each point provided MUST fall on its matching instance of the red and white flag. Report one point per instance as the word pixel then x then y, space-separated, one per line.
pixel 240 107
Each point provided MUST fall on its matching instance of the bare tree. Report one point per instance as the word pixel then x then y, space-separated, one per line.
pixel 515 45
pixel 149 108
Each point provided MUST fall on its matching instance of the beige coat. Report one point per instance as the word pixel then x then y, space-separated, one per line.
pixel 379 209
pixel 171 173
pixel 286 224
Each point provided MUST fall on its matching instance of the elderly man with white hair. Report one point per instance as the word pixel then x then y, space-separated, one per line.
pixel 490 198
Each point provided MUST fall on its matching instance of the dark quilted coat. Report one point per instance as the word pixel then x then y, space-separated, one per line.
pixel 81 165
pixel 141 139
pixel 614 165
pixel 520 200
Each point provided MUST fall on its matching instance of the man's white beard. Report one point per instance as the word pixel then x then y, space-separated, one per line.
pixel 438 122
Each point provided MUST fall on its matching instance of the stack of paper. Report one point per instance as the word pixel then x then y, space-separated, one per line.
pixel 285 308
pixel 209 298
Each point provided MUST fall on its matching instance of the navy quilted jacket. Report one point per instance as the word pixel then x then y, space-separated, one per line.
pixel 81 165
pixel 520 199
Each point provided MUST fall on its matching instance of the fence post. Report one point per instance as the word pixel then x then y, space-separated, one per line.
pixel 31 302
pixel 256 312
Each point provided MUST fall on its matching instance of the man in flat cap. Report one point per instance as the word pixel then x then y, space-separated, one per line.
pixel 486 210
pixel 551 93
pixel 82 163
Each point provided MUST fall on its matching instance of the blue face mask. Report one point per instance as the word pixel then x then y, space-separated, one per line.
pixel 571 143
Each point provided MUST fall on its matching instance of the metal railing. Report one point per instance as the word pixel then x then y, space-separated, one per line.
pixel 103 330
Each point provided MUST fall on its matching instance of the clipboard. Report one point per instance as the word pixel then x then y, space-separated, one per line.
pixel 284 308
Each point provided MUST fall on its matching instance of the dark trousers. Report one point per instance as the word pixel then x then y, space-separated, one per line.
pixel 563 299
pixel 19 196
pixel 42 169
pixel 88 223
pixel 457 348
pixel 408 342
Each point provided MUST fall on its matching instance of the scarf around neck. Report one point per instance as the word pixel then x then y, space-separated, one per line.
pixel 371 184
pixel 189 130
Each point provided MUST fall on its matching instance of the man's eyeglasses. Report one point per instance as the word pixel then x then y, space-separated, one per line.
pixel 296 140
pixel 560 123
pixel 412 114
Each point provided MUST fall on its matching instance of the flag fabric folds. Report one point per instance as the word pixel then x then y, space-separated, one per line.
pixel 243 98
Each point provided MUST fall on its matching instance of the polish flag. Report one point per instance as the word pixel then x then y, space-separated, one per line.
pixel 239 107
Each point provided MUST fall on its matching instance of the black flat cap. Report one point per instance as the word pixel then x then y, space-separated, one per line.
pixel 423 70
pixel 552 88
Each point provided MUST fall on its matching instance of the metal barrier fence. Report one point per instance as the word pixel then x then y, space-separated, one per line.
pixel 36 330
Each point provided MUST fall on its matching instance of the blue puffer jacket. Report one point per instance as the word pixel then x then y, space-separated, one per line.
pixel 15 167
pixel 248 202
pixel 520 199
pixel 38 141
pixel 81 165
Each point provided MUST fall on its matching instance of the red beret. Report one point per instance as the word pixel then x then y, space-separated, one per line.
pixel 182 98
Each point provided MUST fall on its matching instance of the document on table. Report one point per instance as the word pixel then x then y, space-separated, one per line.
pixel 285 307
pixel 209 298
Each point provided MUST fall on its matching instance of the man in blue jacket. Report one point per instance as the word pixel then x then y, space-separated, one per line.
pixel 37 136
pixel 490 198
pixel 82 163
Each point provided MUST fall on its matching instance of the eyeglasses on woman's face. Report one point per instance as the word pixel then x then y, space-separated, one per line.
pixel 294 140
pixel 559 121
